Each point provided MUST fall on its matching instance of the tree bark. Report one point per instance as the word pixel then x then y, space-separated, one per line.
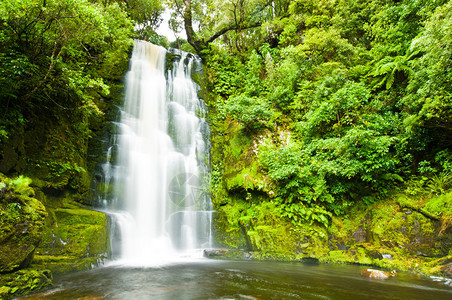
pixel 191 35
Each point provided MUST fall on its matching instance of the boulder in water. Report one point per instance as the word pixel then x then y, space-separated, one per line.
pixel 377 274
pixel 228 254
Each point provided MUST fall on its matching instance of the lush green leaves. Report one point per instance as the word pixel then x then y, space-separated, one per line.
pixel 56 45
pixel 429 99
pixel 362 95
pixel 251 112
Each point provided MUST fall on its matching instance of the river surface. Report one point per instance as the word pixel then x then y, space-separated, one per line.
pixel 211 279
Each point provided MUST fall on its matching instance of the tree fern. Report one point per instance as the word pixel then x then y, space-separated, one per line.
pixel 385 70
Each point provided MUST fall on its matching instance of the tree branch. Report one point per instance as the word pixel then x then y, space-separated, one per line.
pixel 425 214
pixel 240 23
pixel 227 29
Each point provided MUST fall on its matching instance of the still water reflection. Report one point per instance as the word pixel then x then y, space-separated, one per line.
pixel 207 279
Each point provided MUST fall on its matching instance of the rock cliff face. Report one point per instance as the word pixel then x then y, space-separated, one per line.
pixel 391 236
pixel 384 235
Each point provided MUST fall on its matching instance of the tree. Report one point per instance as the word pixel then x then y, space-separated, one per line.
pixel 147 15
pixel 235 15
pixel 389 67
pixel 59 56
pixel 51 46
pixel 429 98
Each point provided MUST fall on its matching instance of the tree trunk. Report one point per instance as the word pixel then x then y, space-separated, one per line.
pixel 191 35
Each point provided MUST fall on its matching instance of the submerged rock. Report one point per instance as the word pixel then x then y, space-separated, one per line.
pixel 377 274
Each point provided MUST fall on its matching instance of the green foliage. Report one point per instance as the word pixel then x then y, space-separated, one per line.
pixel 440 183
pixel 282 163
pixel 146 12
pixel 299 213
pixel 360 106
pixel 386 69
pixel 253 113
pixel 300 188
pixel 59 61
pixel 345 155
pixel 322 45
pixel 224 73
pixel 429 97
pixel 264 227
pixel 342 110
pixel 147 16
pixel 289 35
pixel 60 53
pixel 441 206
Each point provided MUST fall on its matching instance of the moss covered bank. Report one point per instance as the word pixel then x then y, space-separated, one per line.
pixel 409 229
pixel 37 241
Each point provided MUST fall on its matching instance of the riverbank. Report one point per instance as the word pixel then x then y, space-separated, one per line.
pixel 400 233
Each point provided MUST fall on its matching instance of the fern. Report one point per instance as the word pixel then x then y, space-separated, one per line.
pixel 385 70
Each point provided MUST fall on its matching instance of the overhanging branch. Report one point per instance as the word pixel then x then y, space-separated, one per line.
pixel 227 29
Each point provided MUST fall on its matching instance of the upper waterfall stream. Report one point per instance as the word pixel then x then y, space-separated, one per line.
pixel 159 209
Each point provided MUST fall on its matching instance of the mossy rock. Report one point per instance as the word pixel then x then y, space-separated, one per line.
pixel 22 221
pixel 61 264
pixel 24 282
pixel 75 239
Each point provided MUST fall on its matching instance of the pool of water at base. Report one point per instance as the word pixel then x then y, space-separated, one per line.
pixel 211 279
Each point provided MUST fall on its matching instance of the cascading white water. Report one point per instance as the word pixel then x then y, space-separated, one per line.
pixel 158 206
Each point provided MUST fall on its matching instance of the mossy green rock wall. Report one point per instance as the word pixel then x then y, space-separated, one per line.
pixel 253 215
pixel 22 221
pixel 74 239
pixel 390 236
pixel 383 234
pixel 38 240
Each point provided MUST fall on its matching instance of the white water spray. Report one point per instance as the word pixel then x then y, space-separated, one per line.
pixel 159 208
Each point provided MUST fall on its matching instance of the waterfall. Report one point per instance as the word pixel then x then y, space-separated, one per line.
pixel 159 206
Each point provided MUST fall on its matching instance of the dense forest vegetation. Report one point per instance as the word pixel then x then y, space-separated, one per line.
pixel 331 119
pixel 320 107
